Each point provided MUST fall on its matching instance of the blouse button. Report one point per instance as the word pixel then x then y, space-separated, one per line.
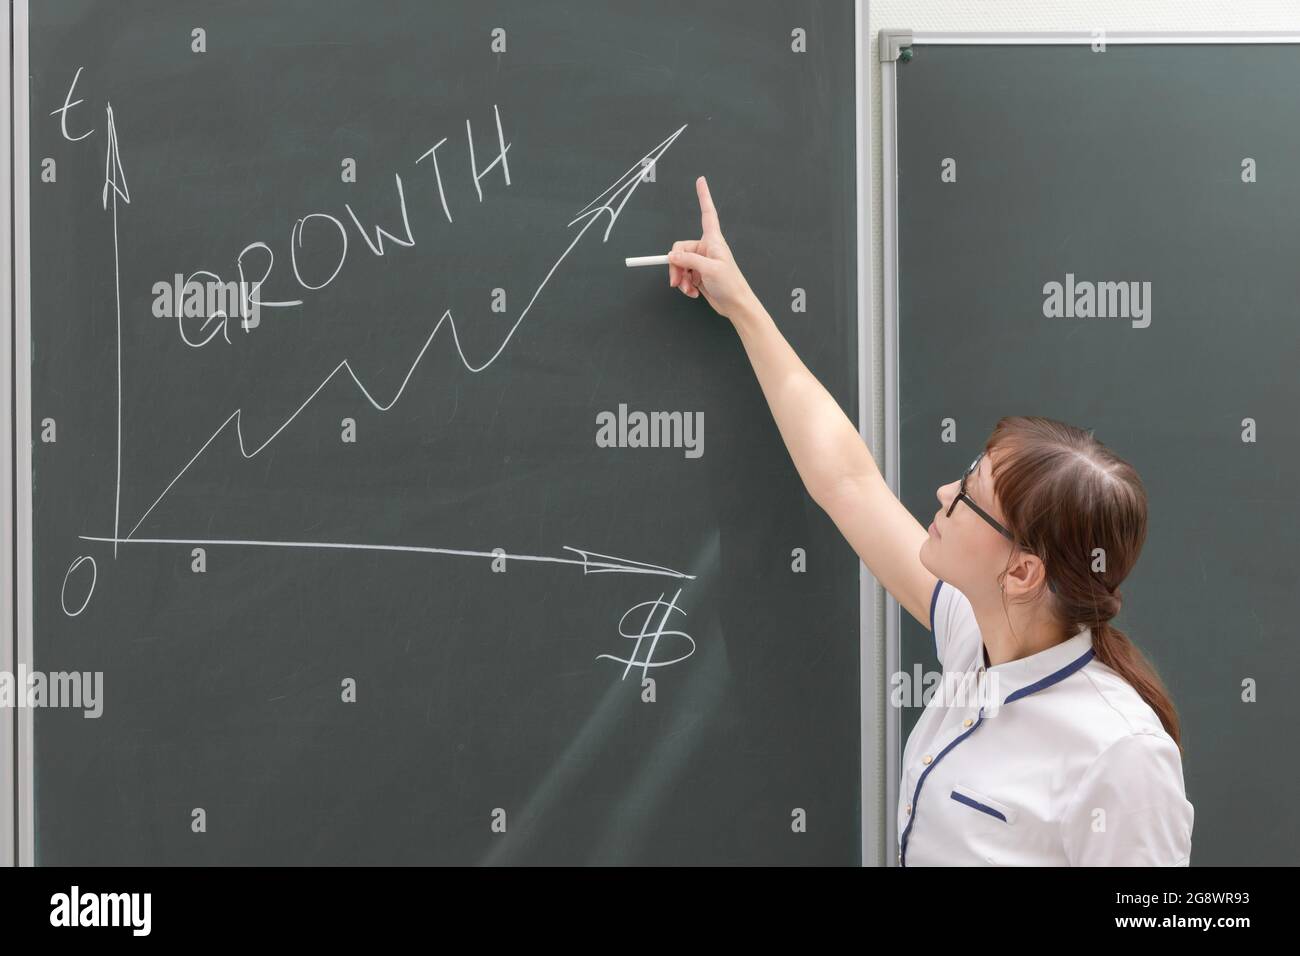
pixel 967 722
pixel 926 759
pixel 908 811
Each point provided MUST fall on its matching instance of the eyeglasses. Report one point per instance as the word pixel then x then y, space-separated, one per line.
pixel 962 496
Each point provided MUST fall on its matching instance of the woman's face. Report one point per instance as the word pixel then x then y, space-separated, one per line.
pixel 964 549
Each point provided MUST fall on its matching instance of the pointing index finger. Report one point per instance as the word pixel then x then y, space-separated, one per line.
pixel 708 215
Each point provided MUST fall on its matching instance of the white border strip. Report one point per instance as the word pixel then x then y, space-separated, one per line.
pixel 870 706
pixel 8 757
pixel 889 244
pixel 22 371
pixel 1112 36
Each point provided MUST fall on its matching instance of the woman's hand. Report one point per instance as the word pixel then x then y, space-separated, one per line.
pixel 706 266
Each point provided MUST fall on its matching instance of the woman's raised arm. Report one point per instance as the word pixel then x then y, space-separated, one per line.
pixel 833 461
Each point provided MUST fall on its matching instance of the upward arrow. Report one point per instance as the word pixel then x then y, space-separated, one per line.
pixel 611 202
pixel 115 177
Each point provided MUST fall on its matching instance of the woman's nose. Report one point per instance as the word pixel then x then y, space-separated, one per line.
pixel 945 493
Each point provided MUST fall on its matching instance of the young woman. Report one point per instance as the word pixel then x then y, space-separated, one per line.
pixel 1059 745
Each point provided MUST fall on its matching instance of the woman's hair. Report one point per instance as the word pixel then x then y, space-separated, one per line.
pixel 1078 506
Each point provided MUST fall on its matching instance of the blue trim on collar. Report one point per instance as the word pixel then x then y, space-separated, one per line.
pixel 934 599
pixel 1051 679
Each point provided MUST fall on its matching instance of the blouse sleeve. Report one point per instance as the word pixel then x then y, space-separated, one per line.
pixel 1130 808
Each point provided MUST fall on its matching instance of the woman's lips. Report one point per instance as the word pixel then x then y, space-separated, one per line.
pixel 934 531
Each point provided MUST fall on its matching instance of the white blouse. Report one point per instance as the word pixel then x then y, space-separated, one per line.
pixel 1050 760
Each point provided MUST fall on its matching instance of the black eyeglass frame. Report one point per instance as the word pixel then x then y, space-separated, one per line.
pixel 962 496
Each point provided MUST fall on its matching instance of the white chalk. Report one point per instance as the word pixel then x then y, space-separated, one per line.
pixel 647 261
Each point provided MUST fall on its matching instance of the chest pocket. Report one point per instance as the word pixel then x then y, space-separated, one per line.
pixel 988 807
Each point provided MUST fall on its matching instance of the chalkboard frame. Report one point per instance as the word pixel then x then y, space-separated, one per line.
pixel 891 42
pixel 8 766
pixel 24 795
pixel 17 776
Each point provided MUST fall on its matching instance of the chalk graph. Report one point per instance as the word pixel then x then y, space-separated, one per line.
pixel 609 203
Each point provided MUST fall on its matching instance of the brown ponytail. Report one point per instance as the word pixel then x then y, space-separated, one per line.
pixel 1083 510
